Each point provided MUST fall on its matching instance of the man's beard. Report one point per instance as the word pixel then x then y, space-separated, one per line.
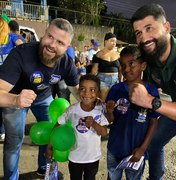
pixel 45 60
pixel 156 54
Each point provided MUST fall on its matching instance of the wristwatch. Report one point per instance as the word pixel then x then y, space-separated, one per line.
pixel 156 103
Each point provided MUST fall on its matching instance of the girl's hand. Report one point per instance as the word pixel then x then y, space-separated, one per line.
pixel 89 121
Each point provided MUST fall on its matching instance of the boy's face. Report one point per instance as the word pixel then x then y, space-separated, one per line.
pixel 132 68
pixel 88 92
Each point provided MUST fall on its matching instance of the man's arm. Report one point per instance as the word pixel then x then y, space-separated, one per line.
pixel 74 91
pixel 24 99
pixel 140 96
pixel 139 151
pixel 18 42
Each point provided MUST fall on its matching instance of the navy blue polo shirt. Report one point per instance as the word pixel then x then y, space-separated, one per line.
pixel 24 70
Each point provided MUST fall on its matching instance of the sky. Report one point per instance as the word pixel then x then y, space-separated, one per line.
pixel 128 7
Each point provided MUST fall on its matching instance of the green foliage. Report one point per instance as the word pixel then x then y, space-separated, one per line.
pixel 81 37
pixel 122 26
pixel 82 12
pixel 89 12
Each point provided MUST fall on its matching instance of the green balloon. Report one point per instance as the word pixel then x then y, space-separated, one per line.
pixel 57 107
pixel 63 137
pixel 61 156
pixel 40 132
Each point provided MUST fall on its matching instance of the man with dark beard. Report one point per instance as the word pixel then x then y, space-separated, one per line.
pixel 25 82
pixel 152 32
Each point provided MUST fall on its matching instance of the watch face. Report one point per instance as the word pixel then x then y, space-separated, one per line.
pixel 156 103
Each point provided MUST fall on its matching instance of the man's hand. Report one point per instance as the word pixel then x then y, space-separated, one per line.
pixel 140 96
pixel 25 98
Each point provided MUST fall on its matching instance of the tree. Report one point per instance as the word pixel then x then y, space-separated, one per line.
pixel 85 11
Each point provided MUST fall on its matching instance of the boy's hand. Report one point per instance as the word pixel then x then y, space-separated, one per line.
pixel 137 154
pixel 110 105
pixel 49 152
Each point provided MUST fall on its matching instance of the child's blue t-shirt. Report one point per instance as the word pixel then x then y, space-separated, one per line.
pixel 6 48
pixel 131 121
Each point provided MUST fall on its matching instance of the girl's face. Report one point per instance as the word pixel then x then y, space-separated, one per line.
pixel 88 92
pixel 132 68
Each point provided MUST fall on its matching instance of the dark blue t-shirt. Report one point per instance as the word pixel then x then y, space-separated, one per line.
pixel 24 70
pixel 131 121
pixel 6 48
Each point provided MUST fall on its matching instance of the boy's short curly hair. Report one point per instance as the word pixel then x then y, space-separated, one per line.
pixel 90 77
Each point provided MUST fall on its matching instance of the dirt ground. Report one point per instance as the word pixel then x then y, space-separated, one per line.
pixel 28 159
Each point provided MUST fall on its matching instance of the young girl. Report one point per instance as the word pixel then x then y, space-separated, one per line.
pixel 132 126
pixel 89 124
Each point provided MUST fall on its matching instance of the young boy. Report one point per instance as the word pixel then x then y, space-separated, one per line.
pixel 89 123
pixel 132 126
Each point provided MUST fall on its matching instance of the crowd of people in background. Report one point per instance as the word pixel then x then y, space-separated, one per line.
pixel 111 84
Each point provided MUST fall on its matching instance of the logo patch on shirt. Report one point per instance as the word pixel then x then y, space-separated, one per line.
pixel 36 77
pixel 123 105
pixel 97 118
pixel 81 127
pixel 142 114
pixel 55 79
pixel 42 86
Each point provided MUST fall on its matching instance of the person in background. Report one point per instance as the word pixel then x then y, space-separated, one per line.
pixel 26 78
pixel 82 61
pixel 91 44
pixel 71 52
pixel 84 56
pixel 14 28
pixel 105 65
pixel 158 46
pixel 77 53
pixel 132 126
pixel 81 68
pixel 89 124
pixel 8 41
pixel 23 34
pixel 91 53
pixel 32 39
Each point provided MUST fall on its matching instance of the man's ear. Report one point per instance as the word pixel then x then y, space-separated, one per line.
pixel 167 26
